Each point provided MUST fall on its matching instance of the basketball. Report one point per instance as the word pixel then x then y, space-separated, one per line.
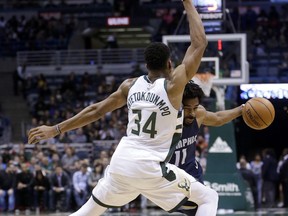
pixel 258 113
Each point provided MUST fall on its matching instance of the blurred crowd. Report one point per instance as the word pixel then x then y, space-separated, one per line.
pixel 267 177
pixel 49 104
pixel 34 33
pixel 46 179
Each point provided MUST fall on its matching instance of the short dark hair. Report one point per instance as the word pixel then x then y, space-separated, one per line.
pixel 156 56
pixel 192 90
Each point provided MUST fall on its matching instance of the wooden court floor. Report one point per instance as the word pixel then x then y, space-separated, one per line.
pixel 156 212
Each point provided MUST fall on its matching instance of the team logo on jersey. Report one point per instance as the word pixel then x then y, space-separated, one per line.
pixel 184 185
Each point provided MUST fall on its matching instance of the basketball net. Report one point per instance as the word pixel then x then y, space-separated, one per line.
pixel 220 97
pixel 205 81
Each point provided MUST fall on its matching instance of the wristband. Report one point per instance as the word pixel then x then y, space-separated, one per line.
pixel 58 129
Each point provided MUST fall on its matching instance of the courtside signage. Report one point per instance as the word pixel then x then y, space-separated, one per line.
pixel 118 21
pixel 269 91
pixel 220 146
pixel 225 189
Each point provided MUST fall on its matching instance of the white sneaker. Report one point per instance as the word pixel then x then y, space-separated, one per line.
pixel 17 212
pixel 27 212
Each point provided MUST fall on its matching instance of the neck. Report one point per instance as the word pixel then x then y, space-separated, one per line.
pixel 152 77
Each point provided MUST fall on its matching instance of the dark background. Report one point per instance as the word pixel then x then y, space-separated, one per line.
pixel 250 141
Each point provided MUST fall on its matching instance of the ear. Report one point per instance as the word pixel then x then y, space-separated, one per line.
pixel 169 64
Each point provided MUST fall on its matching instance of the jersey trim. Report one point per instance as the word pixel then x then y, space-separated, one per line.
pixel 134 81
pixel 147 79
pixel 170 176
pixel 179 205
pixel 165 86
pixel 102 204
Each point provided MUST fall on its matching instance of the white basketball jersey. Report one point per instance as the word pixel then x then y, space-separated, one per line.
pixel 151 137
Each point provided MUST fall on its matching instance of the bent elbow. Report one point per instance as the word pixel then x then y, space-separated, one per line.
pixel 203 43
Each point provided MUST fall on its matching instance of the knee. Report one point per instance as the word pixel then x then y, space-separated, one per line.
pixel 215 196
pixel 212 196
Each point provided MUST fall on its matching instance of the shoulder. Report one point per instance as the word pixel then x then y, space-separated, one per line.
pixel 200 114
pixel 178 75
pixel 127 84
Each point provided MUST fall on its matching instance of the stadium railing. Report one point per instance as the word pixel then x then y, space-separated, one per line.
pixel 65 61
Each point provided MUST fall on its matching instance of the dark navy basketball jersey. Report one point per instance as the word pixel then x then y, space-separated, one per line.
pixel 184 155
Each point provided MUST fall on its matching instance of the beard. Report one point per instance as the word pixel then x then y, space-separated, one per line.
pixel 188 120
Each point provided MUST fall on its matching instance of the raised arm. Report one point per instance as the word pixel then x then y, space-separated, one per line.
pixel 218 118
pixel 86 116
pixel 190 64
pixel 198 39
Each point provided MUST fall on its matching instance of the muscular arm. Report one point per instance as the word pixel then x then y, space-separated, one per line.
pixel 191 61
pixel 218 118
pixel 198 39
pixel 86 116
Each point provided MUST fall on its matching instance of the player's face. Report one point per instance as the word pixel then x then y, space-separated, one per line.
pixel 190 107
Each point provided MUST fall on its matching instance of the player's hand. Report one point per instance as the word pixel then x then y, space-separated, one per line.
pixel 41 133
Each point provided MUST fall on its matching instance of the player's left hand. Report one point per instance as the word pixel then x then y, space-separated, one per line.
pixel 41 133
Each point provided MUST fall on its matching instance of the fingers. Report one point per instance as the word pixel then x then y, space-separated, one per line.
pixel 35 135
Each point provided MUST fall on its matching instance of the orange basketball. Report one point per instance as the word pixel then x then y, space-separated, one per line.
pixel 258 113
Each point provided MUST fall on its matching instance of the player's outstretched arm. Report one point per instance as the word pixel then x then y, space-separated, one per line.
pixel 191 61
pixel 194 53
pixel 86 116
pixel 221 117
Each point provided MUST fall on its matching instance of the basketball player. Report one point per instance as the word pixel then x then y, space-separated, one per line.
pixel 139 164
pixel 194 116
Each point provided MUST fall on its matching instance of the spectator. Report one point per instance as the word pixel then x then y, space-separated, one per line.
pixel 79 136
pixel 250 178
pixel 256 166
pixel 270 177
pixel 283 174
pixel 68 160
pixel 55 160
pixel 7 181
pixel 111 42
pixel 23 191
pixel 247 164
pixel 41 186
pixel 60 190
pixel 46 165
pixel 95 175
pixel 19 80
pixel 80 185
pixel 70 85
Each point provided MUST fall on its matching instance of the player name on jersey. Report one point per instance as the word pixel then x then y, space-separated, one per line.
pixel 150 97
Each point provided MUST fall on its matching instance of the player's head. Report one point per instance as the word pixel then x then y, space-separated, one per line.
pixel 157 57
pixel 192 97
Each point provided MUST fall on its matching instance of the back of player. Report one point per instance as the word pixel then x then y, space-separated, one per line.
pixel 152 122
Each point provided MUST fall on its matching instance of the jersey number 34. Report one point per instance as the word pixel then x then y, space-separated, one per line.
pixel 148 127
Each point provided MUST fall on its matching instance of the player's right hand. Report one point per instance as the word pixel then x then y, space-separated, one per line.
pixel 41 133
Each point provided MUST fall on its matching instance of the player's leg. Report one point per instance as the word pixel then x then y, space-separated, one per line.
pixel 205 197
pixel 190 208
pixel 176 188
pixel 90 208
